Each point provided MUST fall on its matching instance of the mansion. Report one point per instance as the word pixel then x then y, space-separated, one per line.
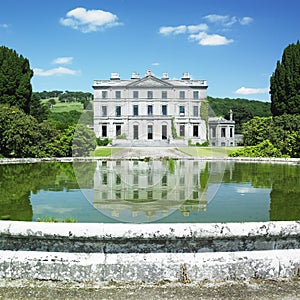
pixel 151 110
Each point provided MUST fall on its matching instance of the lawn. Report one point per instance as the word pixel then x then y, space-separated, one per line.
pixel 62 106
pixel 208 151
pixel 105 151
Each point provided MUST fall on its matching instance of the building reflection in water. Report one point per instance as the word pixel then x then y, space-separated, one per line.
pixel 140 191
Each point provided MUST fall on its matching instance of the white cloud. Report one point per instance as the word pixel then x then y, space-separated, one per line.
pixel 63 60
pixel 249 91
pixel 89 20
pixel 226 21
pixel 4 26
pixel 205 39
pixel 155 64
pixel 181 29
pixel 246 21
pixel 55 71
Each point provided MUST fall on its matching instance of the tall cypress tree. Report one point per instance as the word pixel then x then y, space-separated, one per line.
pixel 15 76
pixel 285 82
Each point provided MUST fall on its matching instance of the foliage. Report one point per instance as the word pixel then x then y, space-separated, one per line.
pixel 15 76
pixel 47 94
pixel 84 141
pixel 204 109
pixel 256 130
pixel 282 131
pixel 173 128
pixel 103 142
pixel 243 109
pixel 38 110
pixel 263 149
pixel 285 82
pixel 81 97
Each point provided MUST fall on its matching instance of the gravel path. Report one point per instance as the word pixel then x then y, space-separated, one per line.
pixel 149 152
pixel 246 290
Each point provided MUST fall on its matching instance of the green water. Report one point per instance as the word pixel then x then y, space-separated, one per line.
pixel 155 191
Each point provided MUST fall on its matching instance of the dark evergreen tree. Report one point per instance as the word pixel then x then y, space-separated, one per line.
pixel 285 82
pixel 15 76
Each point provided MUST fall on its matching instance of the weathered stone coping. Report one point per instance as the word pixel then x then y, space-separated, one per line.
pixel 150 267
pixel 148 238
pixel 202 158
pixel 149 252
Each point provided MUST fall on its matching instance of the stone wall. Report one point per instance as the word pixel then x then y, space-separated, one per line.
pixel 149 252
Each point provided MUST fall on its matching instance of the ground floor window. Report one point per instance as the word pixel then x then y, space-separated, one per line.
pixel 135 132
pixel 223 132
pixel 181 130
pixel 164 133
pixel 150 132
pixel 195 130
pixel 231 132
pixel 118 130
pixel 104 130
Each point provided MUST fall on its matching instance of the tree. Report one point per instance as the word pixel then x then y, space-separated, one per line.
pixel 285 82
pixel 15 76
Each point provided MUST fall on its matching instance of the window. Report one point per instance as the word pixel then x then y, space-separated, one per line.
pixel 231 132
pixel 135 110
pixel 181 110
pixel 150 110
pixel 118 130
pixel 135 94
pixel 164 180
pixel 195 131
pixel 118 111
pixel 164 133
pixel 118 180
pixel 195 111
pixel 135 132
pixel 118 94
pixel 164 95
pixel 223 132
pixel 182 94
pixel 104 131
pixel 150 132
pixel 213 132
pixel 135 194
pixel 104 111
pixel 104 94
pixel 150 94
pixel 196 94
pixel 164 110
pixel 181 130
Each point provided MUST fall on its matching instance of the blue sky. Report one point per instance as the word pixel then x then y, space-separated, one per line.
pixel 233 44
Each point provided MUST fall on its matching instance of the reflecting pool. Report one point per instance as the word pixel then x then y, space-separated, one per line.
pixel 150 191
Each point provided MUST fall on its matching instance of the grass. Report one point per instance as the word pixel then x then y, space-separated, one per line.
pixel 64 107
pixel 105 151
pixel 209 151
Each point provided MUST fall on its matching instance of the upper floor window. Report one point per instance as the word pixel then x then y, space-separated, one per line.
pixel 182 94
pixel 118 111
pixel 104 111
pixel 150 94
pixel 164 95
pixel 195 111
pixel 181 110
pixel 118 94
pixel 135 94
pixel 135 110
pixel 104 94
pixel 164 111
pixel 150 110
pixel 196 94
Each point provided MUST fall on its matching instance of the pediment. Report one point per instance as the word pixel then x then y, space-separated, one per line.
pixel 150 81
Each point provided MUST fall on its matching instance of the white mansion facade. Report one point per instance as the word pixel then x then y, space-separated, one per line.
pixel 149 109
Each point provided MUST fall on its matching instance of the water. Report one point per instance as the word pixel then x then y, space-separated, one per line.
pixel 155 191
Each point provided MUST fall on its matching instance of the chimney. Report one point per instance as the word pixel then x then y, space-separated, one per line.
pixel 185 76
pixel 114 76
pixel 165 76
